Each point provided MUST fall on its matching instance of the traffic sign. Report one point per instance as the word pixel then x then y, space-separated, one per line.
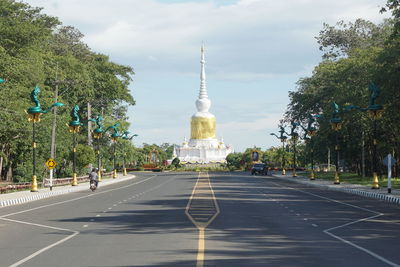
pixel 390 162
pixel 51 163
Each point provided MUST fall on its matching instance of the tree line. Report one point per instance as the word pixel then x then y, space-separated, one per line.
pixel 38 50
pixel 355 54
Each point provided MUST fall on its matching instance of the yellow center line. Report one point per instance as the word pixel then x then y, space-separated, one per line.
pixel 201 248
pixel 213 209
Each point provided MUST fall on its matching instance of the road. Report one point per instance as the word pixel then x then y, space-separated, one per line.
pixel 189 219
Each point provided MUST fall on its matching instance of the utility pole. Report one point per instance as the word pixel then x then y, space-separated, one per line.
pixel 89 125
pixel 53 129
pixel 363 155
pixel 329 159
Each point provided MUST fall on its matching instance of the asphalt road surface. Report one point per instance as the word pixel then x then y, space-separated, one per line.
pixel 192 219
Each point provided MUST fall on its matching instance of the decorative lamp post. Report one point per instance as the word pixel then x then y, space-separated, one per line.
pixel 74 127
pixel 34 114
pixel 375 112
pixel 283 138
pixel 126 137
pixel 294 136
pixel 311 131
pixel 97 134
pixel 336 124
pixel 114 137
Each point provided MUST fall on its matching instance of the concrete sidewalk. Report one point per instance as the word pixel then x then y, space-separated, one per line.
pixel 355 189
pixel 15 198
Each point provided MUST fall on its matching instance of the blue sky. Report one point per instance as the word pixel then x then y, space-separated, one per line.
pixel 256 50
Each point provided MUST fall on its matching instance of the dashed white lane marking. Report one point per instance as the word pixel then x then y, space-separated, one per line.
pixel 114 205
pixel 110 208
pixel 74 233
pixel 18 263
pixel 314 225
pixel 327 231
pixel 359 247
pixel 82 197
pixel 98 215
pixel 305 219
pixel 85 226
pixel 120 202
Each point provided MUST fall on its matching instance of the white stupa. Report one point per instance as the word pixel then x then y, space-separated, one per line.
pixel 203 146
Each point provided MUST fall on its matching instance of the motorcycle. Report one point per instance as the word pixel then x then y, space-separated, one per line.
pixel 93 185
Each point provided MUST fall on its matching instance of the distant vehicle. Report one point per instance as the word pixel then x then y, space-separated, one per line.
pixel 259 168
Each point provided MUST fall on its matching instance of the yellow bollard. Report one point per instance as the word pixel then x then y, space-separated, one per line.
pixel 99 175
pixel 312 175
pixel 34 184
pixel 375 184
pixel 74 180
pixel 337 178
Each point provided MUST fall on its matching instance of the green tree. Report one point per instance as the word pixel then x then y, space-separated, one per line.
pixel 233 160
pixel 84 156
pixel 176 163
pixel 37 49
pixel 356 55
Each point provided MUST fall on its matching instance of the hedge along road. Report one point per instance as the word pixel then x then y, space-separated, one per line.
pixel 261 221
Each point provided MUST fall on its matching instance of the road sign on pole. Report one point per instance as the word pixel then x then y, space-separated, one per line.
pixel 51 163
pixel 389 160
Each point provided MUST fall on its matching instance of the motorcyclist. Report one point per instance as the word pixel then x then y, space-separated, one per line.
pixel 93 177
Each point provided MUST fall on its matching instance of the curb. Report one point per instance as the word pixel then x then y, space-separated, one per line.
pixel 40 195
pixel 386 198
pixel 15 201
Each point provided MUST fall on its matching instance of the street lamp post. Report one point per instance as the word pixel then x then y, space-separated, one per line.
pixel 375 112
pixel 114 137
pixel 97 134
pixel 311 131
pixel 74 127
pixel 336 124
pixel 34 114
pixel 126 137
pixel 283 138
pixel 294 136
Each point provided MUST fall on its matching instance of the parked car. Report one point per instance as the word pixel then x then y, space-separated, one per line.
pixel 259 168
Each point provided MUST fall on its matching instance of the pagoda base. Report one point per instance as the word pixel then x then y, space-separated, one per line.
pixel 203 151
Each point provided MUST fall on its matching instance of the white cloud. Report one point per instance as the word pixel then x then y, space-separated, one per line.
pixel 255 52
pixel 253 37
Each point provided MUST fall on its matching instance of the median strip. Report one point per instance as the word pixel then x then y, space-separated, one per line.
pixel 202 209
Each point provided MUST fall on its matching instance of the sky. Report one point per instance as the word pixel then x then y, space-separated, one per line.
pixel 255 52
